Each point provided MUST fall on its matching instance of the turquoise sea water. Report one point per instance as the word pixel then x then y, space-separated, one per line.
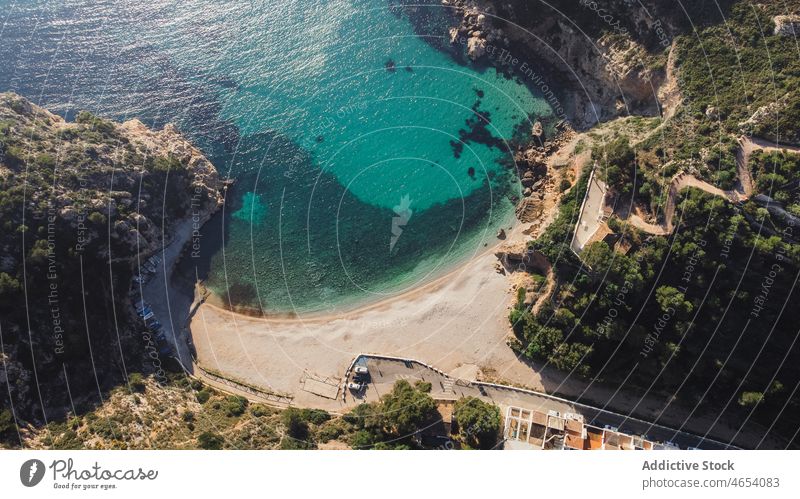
pixel 366 159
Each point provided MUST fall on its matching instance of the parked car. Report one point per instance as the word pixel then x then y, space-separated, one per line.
pixel 356 387
pixel 361 374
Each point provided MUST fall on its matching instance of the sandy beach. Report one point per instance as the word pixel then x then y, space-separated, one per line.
pixel 458 321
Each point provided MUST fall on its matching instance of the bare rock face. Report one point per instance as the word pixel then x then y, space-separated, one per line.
pixel 609 76
pixel 787 25
pixel 528 210
pixel 453 35
pixel 518 257
pixel 762 121
pixel 476 47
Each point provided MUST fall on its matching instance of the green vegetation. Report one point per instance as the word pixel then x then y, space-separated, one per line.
pixel 210 441
pixel 617 164
pixel 235 405
pixel 297 432
pixel 739 67
pixel 7 425
pixel 675 311
pixel 777 174
pixel 127 419
pixel 136 382
pixel 394 421
pixel 203 396
pixel 168 416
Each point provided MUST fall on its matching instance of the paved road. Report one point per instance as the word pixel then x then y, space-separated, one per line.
pixel 170 306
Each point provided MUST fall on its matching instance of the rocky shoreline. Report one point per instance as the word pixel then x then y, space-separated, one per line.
pixel 600 75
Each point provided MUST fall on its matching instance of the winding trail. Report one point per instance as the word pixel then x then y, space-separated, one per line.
pixel 742 192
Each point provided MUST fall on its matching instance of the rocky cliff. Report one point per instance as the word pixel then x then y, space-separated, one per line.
pixel 601 58
pixel 80 203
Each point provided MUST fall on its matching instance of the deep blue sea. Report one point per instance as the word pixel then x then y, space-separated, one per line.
pixel 367 159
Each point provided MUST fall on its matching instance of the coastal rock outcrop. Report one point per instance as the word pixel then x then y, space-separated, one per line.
pixel 519 257
pixel 787 25
pixel 602 74
pixel 476 46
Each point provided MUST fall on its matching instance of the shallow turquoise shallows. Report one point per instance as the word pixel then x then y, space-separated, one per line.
pixel 367 158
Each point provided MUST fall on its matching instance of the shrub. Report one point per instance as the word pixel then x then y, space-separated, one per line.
pixel 362 439
pixel 331 430
pixel 235 405
pixel 296 426
pixel 203 396
pixel 6 422
pixel 260 410
pixel 97 218
pixel 210 441
pixel 9 286
pixel 749 399
pixel 315 416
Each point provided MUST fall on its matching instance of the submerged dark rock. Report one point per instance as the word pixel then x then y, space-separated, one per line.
pixel 458 148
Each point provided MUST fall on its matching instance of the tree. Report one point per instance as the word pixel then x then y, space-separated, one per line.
pixel 668 298
pixel 210 441
pixel 235 405
pixel 362 439
pixel 296 427
pixel 617 163
pixel 365 417
pixel 9 286
pixel 397 416
pixel 6 422
pixel 405 410
pixel 203 396
pixel 749 399
pixel 478 422
pixel 315 416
